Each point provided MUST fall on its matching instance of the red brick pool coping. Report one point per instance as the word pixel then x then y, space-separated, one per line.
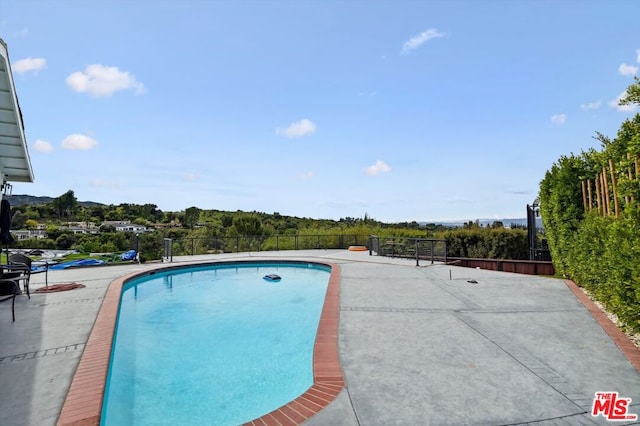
pixel 619 338
pixel 83 404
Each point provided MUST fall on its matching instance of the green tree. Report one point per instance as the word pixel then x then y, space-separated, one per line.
pixel 97 212
pixel 65 241
pixel 227 220
pixel 191 216
pixel 53 232
pixel 141 221
pixel 66 204
pixel 18 220
pixel 115 213
pixel 33 214
pixel 150 246
pixel 107 229
pixel 31 224
pixel 248 225
pixel 45 210
pixel 632 95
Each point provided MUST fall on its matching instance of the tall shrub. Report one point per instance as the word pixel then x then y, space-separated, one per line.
pixel 597 249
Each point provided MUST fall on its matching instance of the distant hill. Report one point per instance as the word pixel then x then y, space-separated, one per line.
pixel 484 222
pixel 32 200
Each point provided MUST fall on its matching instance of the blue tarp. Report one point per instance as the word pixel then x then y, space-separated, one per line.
pixel 38 266
pixel 75 263
pixel 129 255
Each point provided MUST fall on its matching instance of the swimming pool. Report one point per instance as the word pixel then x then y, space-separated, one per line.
pixel 213 344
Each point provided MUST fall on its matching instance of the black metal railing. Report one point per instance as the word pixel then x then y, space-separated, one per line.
pixel 429 249
pixel 244 243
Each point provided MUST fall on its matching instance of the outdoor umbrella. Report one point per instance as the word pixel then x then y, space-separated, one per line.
pixel 5 223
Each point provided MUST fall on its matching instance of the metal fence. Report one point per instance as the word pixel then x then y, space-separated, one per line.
pixel 429 249
pixel 194 246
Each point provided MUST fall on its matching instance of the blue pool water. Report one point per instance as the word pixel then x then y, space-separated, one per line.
pixel 214 345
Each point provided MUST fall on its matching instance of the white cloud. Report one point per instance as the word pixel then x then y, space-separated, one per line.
pixel 418 40
pixel 42 146
pixel 189 177
pixel 614 103
pixel 28 64
pixel 307 175
pixel 559 119
pixel 591 105
pixel 100 183
pixel 628 70
pixel 79 142
pixel 378 167
pixel 98 80
pixel 298 129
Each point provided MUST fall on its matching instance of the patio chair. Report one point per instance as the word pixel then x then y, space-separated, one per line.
pixel 9 289
pixel 20 264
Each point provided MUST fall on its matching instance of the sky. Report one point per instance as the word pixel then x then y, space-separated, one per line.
pixel 400 110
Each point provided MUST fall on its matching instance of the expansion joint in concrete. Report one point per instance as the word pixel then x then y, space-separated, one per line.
pixel 72 301
pixel 42 353
pixel 530 362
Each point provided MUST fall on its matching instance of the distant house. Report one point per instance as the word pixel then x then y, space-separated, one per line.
pixel 81 230
pixel 115 223
pixel 132 227
pixel 81 227
pixel 86 225
pixel 125 226
pixel 25 234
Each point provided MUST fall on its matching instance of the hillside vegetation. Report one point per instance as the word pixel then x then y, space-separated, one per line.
pixel 198 231
pixel 590 205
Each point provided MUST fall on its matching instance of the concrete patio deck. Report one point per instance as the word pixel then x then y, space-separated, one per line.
pixel 418 345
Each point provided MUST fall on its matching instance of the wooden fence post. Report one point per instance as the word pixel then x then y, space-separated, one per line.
pixel 607 199
pixel 631 198
pixel 598 194
pixel 614 185
pixel 637 168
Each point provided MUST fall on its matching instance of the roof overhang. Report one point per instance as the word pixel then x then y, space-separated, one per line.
pixel 15 164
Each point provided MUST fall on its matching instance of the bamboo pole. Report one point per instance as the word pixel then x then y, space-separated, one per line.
pixel 589 195
pixel 614 187
pixel 637 169
pixel 607 198
pixel 602 206
pixel 631 198
pixel 584 194
pixel 599 193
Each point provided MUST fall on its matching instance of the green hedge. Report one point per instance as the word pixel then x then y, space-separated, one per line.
pixel 487 243
pixel 599 253
pixel 604 257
